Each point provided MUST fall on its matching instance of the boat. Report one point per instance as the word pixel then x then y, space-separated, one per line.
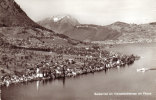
pixel 142 69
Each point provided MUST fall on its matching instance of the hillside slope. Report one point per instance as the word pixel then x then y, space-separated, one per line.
pixel 12 15
pixel 134 32
pixel 59 24
pixel 84 32
pixel 17 28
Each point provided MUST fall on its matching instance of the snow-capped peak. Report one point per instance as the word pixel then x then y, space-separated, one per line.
pixel 55 19
pixel 58 18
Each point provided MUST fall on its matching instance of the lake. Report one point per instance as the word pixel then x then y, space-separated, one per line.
pixel 115 84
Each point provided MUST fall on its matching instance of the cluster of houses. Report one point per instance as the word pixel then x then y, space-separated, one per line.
pixel 72 67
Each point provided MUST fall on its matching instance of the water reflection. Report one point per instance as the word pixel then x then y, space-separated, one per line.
pixel 64 80
pixel 123 79
pixel 0 92
pixel 105 71
pixel 37 85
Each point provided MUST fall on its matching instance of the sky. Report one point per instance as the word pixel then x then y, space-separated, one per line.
pixel 100 12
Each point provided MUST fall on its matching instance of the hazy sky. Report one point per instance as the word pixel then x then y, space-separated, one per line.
pixel 100 12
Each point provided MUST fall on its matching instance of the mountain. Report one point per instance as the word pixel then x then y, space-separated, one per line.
pixel 134 32
pixel 123 27
pixel 18 29
pixel 152 23
pixel 118 31
pixel 69 26
pixel 12 15
pixel 24 43
pixel 88 32
pixel 59 24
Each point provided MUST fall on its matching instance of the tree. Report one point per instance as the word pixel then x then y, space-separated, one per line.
pixel 96 46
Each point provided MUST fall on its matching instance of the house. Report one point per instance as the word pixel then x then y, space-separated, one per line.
pixel 39 74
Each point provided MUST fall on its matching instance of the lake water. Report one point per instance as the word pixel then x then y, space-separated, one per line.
pixel 115 84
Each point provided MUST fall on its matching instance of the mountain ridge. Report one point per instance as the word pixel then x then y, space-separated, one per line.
pixel 18 29
pixel 12 15
pixel 115 31
pixel 79 31
pixel 59 23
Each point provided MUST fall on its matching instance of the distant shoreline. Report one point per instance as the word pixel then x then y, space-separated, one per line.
pixel 112 42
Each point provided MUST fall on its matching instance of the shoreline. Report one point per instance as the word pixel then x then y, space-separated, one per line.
pixel 121 43
pixel 46 73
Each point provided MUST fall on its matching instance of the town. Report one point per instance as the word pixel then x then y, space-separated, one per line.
pixel 62 61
